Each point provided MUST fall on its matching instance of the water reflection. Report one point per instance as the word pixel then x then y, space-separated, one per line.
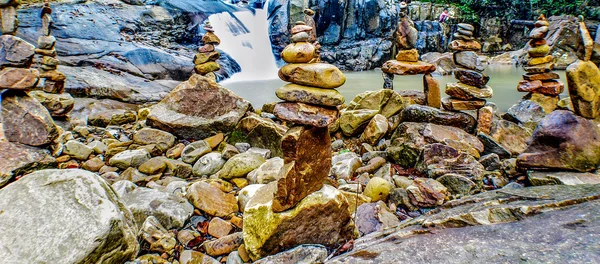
pixel 504 80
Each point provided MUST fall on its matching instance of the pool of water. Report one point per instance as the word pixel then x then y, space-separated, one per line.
pixel 503 79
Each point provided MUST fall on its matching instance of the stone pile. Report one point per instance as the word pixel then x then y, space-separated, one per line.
pixel 471 90
pixel 539 78
pixel 206 58
pixel 407 61
pixel 58 103
pixel 310 103
pixel 24 119
pixel 312 34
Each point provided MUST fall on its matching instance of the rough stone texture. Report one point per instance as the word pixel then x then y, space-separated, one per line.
pixel 240 165
pixel 266 232
pixel 366 105
pixel 424 114
pixel 15 52
pixel 583 79
pixel 467 92
pixel 526 112
pixel 197 109
pixel 129 158
pixel 76 209
pixel 18 78
pixel 375 130
pixel 372 217
pixel 555 217
pixel 307 161
pixel 303 254
pixel 26 121
pixel 469 60
pixel 453 104
pixel 510 136
pixel 407 68
pixel 472 78
pixel 206 196
pixel 563 140
pixel 309 95
pixel 431 88
pixel 320 75
pixel 146 136
pixel 300 113
pixel 111 117
pixel 538 178
pixel 344 165
pixel 59 105
pixel 17 159
pixel 171 210
pixel 259 132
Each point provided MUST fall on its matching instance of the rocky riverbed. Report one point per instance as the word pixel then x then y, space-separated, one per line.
pixel 203 176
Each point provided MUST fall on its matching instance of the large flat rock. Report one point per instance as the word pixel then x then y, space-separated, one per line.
pixel 549 224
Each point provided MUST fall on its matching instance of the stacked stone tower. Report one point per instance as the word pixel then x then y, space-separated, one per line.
pixel 310 106
pixel 539 78
pixel 58 103
pixel 206 58
pixel 407 61
pixel 24 119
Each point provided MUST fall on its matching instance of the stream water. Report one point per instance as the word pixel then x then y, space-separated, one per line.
pixel 503 79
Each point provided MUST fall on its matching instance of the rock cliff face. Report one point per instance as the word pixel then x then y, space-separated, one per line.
pixel 356 34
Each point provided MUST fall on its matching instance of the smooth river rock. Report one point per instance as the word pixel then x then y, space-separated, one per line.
pixel 305 114
pixel 320 75
pixel 425 114
pixel 301 52
pixel 26 121
pixel 407 68
pixel 309 95
pixel 18 78
pixel 65 216
pixel 197 109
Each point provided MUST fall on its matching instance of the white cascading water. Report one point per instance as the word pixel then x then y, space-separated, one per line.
pixel 245 37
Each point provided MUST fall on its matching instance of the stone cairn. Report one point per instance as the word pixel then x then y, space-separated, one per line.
pixel 310 104
pixel 24 119
pixel 58 103
pixel 407 61
pixel 471 90
pixel 206 58
pixel 312 34
pixel 539 77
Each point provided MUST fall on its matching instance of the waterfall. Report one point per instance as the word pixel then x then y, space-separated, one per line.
pixel 245 37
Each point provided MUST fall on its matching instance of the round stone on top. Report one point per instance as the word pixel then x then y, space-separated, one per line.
pixel 403 5
pixel 466 27
pixel 309 12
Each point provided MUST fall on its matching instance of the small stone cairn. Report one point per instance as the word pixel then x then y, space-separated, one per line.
pixel 24 119
pixel 312 34
pixel 471 90
pixel 53 97
pixel 206 58
pixel 407 61
pixel 310 105
pixel 539 77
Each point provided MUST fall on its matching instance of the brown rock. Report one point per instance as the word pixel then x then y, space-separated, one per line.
pixel 57 104
pixel 175 152
pixel 8 17
pixel 472 78
pixel 461 45
pixel 431 88
pixel 17 159
pixel 206 48
pixel 307 161
pixel 300 28
pixel 406 35
pixel 485 116
pixel 467 92
pixel 538 33
pixel 583 79
pixel 547 87
pixel 203 57
pixel 44 52
pixel 407 68
pixel 547 76
pixel 300 113
pixel 211 199
pixel 55 76
pixel 210 38
pixel 541 68
pixel 540 60
pixel 563 141
pixel 454 104
pixel 310 95
pixel 15 52
pixel 93 164
pixel 26 121
pixel 427 192
pixel 219 227
pixel 301 52
pixel 411 55
pixel 224 245
pixel 537 42
pixel 320 75
pixel 54 87
pixel 18 78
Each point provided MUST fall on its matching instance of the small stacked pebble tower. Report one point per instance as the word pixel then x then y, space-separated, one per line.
pixel 539 77
pixel 206 58
pixel 407 61
pixel 310 107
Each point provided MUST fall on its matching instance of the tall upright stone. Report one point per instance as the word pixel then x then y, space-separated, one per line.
pixel 407 60
pixel 310 104
pixel 471 90
pixel 539 78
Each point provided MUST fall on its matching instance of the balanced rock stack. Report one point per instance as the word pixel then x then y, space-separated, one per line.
pixel 310 103
pixel 407 61
pixel 539 77
pixel 312 34
pixel 24 119
pixel 206 58
pixel 58 103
